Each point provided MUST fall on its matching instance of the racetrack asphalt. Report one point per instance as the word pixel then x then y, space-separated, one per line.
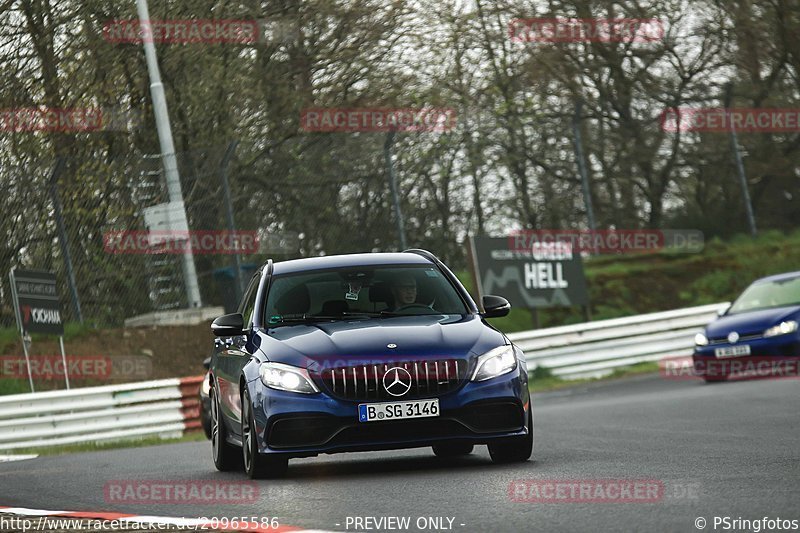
pixel 729 449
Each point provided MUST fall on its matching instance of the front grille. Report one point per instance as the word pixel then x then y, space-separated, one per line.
pixel 743 338
pixel 365 382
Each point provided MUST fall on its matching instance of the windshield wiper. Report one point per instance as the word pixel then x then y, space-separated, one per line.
pixel 301 319
pixel 277 320
pixel 394 313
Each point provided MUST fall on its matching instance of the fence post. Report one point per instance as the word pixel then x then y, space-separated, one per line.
pixel 62 238
pixel 387 155
pixel 223 175
pixel 578 142
pixel 748 204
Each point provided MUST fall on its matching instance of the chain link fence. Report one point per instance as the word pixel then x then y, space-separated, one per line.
pixel 83 218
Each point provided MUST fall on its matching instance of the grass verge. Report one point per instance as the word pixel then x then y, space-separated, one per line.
pixel 542 380
pixel 194 436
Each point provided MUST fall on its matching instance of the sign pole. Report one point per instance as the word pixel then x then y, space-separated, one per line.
pixel 473 264
pixel 26 340
pixel 535 318
pixel 169 161
pixel 15 301
pixel 64 360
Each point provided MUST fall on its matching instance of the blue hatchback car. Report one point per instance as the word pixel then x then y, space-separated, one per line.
pixel 364 352
pixel 761 324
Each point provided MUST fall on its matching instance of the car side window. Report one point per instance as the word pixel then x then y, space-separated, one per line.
pixel 249 302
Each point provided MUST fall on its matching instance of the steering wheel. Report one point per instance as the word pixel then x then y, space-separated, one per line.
pixel 416 306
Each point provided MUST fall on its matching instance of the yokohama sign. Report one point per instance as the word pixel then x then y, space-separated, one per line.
pixel 36 298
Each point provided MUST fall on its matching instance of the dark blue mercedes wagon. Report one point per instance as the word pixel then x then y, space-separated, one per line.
pixel 364 352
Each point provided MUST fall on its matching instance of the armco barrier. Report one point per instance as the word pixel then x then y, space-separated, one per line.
pixel 169 407
pixel 164 408
pixel 598 348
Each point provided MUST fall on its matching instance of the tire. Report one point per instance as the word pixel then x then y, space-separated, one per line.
pixel 226 456
pixel 257 465
pixel 452 449
pixel 514 449
pixel 205 418
pixel 712 371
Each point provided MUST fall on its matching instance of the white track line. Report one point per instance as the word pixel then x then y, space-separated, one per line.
pixel 9 458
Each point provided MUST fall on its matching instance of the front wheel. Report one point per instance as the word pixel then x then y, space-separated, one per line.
pixel 226 456
pixel 515 449
pixel 257 465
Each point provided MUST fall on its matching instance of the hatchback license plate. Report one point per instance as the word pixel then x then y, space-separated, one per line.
pixel 732 351
pixel 374 412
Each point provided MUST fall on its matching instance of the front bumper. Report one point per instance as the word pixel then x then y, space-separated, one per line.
pixel 779 353
pixel 302 425
pixel 778 346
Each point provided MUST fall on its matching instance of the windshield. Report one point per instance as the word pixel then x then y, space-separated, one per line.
pixel 768 294
pixel 361 292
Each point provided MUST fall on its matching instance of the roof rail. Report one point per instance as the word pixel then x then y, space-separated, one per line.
pixel 424 253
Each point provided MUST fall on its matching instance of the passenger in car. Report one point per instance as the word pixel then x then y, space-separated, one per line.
pixel 404 290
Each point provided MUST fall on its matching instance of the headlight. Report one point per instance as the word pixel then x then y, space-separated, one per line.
pixel 700 339
pixel 286 377
pixel 496 362
pixel 790 326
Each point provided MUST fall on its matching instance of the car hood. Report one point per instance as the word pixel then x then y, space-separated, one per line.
pixel 353 341
pixel 750 322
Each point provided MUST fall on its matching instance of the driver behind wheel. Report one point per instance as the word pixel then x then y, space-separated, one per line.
pixel 404 290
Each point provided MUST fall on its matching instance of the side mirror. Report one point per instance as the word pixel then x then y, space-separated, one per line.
pixel 722 311
pixel 228 325
pixel 495 306
pixel 207 363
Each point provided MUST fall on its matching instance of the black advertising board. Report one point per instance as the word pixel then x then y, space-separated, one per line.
pixel 37 304
pixel 546 275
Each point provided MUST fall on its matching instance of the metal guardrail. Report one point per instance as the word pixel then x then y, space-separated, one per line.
pixel 164 408
pixel 168 407
pixel 598 348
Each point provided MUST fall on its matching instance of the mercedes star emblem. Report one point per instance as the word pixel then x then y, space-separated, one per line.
pixel 733 337
pixel 397 381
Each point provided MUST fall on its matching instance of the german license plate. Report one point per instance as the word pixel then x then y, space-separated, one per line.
pixel 374 412
pixel 732 351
